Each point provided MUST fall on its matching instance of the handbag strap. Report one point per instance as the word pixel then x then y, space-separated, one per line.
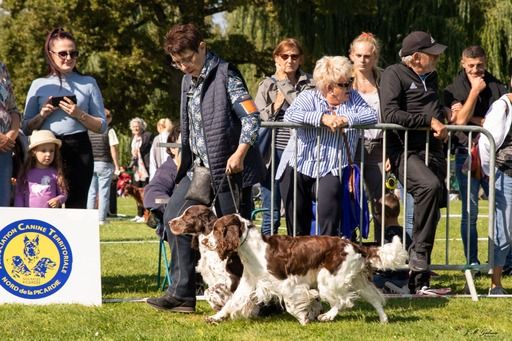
pixel 351 179
pixel 228 177
pixel 347 149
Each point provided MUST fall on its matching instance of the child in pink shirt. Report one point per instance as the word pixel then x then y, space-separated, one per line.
pixel 41 182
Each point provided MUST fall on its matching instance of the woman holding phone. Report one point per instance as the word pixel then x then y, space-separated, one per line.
pixel 79 108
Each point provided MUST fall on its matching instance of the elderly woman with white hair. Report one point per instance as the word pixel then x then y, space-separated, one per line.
pixel 140 148
pixel 336 106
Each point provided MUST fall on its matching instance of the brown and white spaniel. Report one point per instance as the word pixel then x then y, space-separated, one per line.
pixel 299 270
pixel 138 194
pixel 221 276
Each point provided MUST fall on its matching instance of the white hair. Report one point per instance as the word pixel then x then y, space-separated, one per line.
pixel 407 60
pixel 139 121
pixel 328 71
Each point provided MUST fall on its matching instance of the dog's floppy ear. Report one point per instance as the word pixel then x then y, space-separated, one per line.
pixel 208 218
pixel 227 234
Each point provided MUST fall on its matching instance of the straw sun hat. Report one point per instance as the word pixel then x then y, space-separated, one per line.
pixel 40 137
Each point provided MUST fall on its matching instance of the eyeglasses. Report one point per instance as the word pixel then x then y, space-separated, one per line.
pixel 63 54
pixel 178 64
pixel 345 85
pixel 285 56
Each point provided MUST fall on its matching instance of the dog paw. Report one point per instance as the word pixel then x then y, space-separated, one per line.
pixel 325 317
pixel 213 320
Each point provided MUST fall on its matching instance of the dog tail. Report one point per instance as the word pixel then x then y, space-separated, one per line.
pixel 390 256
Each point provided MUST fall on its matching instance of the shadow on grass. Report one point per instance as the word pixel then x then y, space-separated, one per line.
pixel 396 309
pixel 130 283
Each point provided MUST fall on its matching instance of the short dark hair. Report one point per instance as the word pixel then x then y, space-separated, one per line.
pixel 182 37
pixel 55 34
pixel 474 51
pixel 392 206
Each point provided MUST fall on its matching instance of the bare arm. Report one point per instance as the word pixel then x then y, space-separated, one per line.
pixel 90 122
pixel 463 115
pixel 115 157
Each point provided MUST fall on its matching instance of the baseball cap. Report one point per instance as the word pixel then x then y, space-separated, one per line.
pixel 419 41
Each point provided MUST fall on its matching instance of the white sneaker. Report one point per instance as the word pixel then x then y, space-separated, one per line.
pixel 140 220
pixel 394 289
pixel 136 218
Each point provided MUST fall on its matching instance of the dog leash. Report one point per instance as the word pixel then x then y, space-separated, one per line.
pixel 228 177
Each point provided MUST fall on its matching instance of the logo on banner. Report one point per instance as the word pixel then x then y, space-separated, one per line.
pixel 35 259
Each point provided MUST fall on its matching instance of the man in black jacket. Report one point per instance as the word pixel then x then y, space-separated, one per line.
pixel 467 99
pixel 408 97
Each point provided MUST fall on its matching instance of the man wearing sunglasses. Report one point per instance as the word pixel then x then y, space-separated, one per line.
pixel 408 97
pixel 219 126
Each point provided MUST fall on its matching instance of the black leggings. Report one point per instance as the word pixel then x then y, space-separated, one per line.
pixel 78 162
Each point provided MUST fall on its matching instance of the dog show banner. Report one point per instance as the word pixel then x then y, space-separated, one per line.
pixel 49 256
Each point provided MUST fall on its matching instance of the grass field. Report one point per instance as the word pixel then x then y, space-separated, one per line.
pixel 129 263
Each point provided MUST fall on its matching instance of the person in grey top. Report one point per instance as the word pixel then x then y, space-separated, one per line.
pixel 275 94
pixel 68 104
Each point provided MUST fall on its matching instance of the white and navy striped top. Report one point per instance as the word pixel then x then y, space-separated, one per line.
pixel 308 108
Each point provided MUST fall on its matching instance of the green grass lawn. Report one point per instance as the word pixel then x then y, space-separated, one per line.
pixel 129 253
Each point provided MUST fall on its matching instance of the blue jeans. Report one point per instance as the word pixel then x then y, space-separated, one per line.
pixel 266 197
pixel 409 211
pixel 5 178
pixel 503 230
pixel 472 253
pixel 100 188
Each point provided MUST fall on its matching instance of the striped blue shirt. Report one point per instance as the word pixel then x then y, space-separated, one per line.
pixel 308 108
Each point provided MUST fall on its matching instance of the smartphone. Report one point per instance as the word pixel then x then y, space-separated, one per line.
pixel 56 100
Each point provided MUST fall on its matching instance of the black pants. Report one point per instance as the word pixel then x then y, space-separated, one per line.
pixel 425 183
pixel 140 184
pixel 78 162
pixel 328 205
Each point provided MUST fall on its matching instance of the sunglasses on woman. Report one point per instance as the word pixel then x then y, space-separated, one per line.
pixel 345 85
pixel 285 56
pixel 63 54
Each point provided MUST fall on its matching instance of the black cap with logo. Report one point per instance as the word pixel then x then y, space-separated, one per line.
pixel 419 41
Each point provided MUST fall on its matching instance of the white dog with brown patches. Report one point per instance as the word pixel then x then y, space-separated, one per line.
pixel 298 270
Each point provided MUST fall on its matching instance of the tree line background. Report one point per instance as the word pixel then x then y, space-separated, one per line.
pixel 120 41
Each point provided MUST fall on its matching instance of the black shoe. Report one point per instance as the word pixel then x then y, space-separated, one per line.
pixel 418 261
pixel 169 303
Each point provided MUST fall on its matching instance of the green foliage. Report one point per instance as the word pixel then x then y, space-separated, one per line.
pixel 326 27
pixel 120 41
pixel 120 44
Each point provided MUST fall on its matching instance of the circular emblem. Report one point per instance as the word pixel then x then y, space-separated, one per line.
pixel 35 259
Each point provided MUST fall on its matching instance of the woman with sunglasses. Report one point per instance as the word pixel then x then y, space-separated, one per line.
pixel 333 106
pixel 68 104
pixel 275 94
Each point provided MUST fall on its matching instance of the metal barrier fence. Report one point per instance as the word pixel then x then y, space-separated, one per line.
pixel 386 128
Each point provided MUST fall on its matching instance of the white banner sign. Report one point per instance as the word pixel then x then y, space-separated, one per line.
pixel 49 256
